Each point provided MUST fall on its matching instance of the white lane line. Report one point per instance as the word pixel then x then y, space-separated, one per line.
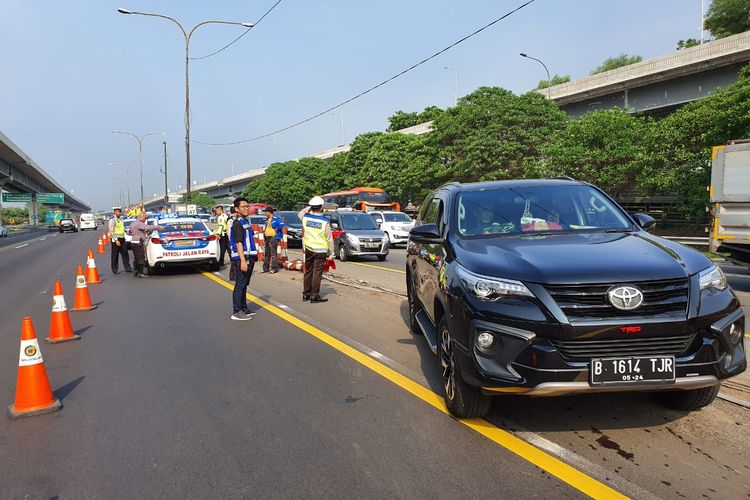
pixel 42 239
pixel 21 246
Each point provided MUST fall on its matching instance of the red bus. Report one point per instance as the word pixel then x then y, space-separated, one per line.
pixel 365 199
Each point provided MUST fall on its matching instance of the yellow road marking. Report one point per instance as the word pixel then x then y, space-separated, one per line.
pixel 554 466
pixel 364 265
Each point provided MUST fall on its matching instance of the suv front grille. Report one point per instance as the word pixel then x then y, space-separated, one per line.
pixel 587 349
pixel 589 302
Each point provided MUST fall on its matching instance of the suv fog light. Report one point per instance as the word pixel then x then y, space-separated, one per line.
pixel 485 340
pixel 735 331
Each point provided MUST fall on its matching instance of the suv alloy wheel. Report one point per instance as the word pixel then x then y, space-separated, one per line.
pixel 462 400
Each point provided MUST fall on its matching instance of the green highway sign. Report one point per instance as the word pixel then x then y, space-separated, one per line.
pixel 50 198
pixel 16 197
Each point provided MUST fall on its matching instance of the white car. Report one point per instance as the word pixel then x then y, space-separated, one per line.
pixel 87 221
pixel 182 241
pixel 395 225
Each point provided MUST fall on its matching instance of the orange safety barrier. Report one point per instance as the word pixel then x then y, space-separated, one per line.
pixel 260 242
pixel 60 328
pixel 92 275
pixel 33 392
pixel 82 298
pixel 282 253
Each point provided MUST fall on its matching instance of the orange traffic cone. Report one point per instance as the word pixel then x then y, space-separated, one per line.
pixel 92 275
pixel 60 329
pixel 33 393
pixel 100 246
pixel 82 298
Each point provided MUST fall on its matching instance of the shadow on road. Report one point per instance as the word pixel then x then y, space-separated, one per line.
pixel 63 392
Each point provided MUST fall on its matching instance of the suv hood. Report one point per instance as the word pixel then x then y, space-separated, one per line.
pixel 580 258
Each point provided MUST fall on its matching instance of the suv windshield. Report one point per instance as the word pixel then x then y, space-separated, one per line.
pixel 356 221
pixel 397 218
pixel 535 209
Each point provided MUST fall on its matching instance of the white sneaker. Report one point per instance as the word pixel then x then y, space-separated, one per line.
pixel 241 316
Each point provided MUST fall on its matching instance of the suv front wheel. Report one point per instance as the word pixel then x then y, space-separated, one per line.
pixel 462 399
pixel 342 253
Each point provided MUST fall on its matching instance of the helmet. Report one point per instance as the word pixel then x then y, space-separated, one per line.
pixel 316 201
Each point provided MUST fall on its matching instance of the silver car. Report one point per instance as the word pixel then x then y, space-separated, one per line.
pixel 356 234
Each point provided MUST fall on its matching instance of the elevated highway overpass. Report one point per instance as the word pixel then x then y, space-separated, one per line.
pixel 20 174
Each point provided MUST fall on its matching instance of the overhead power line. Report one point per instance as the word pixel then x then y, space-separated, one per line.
pixel 238 38
pixel 371 89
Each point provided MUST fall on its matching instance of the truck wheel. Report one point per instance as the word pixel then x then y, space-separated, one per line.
pixel 692 399
pixel 462 399
pixel 342 253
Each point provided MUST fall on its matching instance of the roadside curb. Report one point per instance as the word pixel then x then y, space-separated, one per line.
pixel 734 400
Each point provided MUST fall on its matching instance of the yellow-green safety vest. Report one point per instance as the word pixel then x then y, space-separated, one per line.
pixel 314 238
pixel 221 224
pixel 118 231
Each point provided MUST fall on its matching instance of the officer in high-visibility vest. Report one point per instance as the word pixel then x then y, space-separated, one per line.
pixel 117 242
pixel 221 232
pixel 243 254
pixel 317 241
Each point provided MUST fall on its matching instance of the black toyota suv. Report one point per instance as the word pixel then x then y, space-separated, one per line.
pixel 548 287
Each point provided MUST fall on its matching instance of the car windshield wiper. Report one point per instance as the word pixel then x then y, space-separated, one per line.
pixel 620 230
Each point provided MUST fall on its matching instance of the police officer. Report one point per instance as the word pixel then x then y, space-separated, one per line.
pixel 317 241
pixel 117 242
pixel 221 232
pixel 243 254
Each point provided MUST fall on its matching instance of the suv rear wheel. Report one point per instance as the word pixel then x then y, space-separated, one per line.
pixel 692 399
pixel 462 399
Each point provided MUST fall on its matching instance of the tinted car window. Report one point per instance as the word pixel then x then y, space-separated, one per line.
pixel 397 218
pixel 377 217
pixel 354 221
pixel 537 209
pixel 289 218
pixel 432 212
pixel 66 221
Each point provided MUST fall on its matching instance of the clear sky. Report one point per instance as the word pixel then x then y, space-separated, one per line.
pixel 74 70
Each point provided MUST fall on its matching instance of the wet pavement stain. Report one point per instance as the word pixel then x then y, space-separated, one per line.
pixel 611 445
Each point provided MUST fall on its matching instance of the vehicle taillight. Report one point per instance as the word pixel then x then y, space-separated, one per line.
pixel 210 238
pixel 158 241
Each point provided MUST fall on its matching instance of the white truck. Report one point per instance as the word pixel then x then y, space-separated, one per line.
pixel 730 195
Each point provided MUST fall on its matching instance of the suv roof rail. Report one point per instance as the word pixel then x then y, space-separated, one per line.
pixel 564 177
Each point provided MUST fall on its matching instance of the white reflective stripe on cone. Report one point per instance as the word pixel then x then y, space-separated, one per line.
pixel 58 303
pixel 81 282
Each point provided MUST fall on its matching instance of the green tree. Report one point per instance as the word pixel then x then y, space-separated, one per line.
pixel 686 44
pixel 492 134
pixel 201 199
pixel 286 185
pixel 556 80
pixel 607 148
pixel 401 120
pixel 616 62
pixel 728 17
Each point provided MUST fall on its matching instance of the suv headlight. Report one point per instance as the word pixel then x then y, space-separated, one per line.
pixel 713 277
pixel 352 239
pixel 487 288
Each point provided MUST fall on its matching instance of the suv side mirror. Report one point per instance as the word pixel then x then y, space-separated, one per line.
pixel 425 233
pixel 645 221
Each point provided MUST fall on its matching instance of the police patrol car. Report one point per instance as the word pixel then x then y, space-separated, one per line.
pixel 182 241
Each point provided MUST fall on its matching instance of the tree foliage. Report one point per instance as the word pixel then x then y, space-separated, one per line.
pixel 686 44
pixel 728 17
pixel 401 120
pixel 201 199
pixel 616 62
pixel 556 80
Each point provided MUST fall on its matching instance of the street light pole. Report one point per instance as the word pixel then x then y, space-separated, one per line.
pixel 187 36
pixel 549 82
pixel 140 150
pixel 455 89
pixel 166 196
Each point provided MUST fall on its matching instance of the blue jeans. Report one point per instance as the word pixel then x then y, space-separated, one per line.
pixel 239 299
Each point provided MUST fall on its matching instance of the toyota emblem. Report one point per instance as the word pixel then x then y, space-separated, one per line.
pixel 625 298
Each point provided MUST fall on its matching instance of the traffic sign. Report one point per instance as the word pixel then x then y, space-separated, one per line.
pixel 51 198
pixel 16 197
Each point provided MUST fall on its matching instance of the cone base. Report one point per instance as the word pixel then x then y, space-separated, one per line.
pixel 52 407
pixel 84 308
pixel 60 341
pixel 93 282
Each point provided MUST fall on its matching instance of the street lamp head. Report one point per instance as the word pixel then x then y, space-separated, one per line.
pixel 124 11
pixel 248 25
pixel 523 55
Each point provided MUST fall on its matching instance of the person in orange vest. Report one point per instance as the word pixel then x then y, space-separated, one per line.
pixel 273 233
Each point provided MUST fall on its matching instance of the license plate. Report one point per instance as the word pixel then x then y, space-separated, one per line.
pixel 371 245
pixel 184 243
pixel 632 370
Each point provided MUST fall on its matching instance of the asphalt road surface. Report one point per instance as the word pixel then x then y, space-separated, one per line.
pixel 164 396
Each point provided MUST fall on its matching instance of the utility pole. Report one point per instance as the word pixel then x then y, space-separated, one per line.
pixel 166 195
